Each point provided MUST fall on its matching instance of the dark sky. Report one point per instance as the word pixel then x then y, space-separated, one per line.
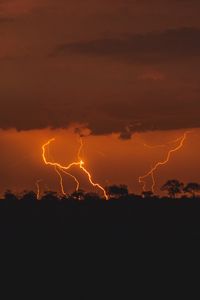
pixel 114 65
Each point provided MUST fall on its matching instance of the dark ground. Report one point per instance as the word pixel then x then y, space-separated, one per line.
pixel 139 241
pixel 95 221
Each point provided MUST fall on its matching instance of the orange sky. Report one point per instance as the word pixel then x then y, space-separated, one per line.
pixel 109 159
pixel 118 67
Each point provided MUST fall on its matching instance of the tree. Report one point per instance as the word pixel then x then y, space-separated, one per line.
pixel 117 191
pixel 192 188
pixel 29 197
pixel 78 195
pixel 50 197
pixel 10 197
pixel 148 194
pixel 173 187
pixel 93 197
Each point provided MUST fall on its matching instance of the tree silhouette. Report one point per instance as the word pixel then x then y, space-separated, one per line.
pixel 147 194
pixel 65 220
pixel 49 197
pixel 92 197
pixel 29 197
pixel 173 187
pixel 10 197
pixel 117 191
pixel 192 188
pixel 78 195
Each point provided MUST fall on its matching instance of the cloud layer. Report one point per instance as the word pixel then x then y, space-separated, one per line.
pixel 151 47
pixel 113 68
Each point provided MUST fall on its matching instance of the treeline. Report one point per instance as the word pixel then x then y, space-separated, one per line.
pixel 172 188
pixel 85 218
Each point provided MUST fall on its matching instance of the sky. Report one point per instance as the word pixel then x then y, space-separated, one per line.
pixel 127 70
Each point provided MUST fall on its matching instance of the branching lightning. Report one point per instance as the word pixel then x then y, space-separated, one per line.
pixel 162 145
pixel 72 176
pixel 65 169
pixel 91 181
pixel 59 168
pixel 97 185
pixel 159 164
pixel 55 164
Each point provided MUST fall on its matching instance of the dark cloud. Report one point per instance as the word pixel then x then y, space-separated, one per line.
pixel 116 65
pixel 173 44
pixel 108 117
pixel 126 134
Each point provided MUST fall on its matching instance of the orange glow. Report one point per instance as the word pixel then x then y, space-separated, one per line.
pixel 129 160
pixel 162 163
pixel 65 169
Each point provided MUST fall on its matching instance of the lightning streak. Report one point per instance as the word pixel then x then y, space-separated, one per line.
pixel 163 145
pixel 65 169
pixel 162 163
pixel 38 189
pixel 153 147
pixel 153 182
pixel 97 185
pixel 55 164
pixel 80 148
pixel 58 167
pixel 61 181
pixel 72 176
pixel 90 180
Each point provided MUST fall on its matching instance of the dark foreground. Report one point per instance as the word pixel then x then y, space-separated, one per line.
pixel 95 221
pixel 117 239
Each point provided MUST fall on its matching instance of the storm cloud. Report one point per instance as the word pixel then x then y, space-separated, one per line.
pixel 152 47
pixel 112 66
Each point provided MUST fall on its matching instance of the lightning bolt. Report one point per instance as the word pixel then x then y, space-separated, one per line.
pixel 153 182
pixel 55 164
pixel 159 164
pixel 65 169
pixel 91 181
pixel 72 176
pixel 153 147
pixel 61 181
pixel 80 148
pixel 162 145
pixel 97 185
pixel 37 184
pixel 59 168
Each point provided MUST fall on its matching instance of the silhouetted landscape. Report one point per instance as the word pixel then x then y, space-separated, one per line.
pixel 85 218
